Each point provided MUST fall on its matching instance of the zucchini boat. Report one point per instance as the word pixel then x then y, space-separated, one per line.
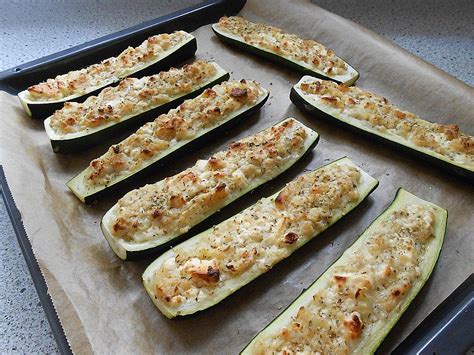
pixel 158 52
pixel 149 219
pixel 372 115
pixel 303 55
pixel 207 268
pixel 152 143
pixel 79 126
pixel 355 303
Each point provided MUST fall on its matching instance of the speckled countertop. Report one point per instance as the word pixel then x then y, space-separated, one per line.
pixel 439 31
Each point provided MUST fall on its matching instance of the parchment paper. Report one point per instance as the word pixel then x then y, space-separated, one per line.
pixel 100 300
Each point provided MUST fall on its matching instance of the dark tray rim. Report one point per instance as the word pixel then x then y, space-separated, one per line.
pixel 19 77
pixel 430 334
pixel 32 263
pixel 16 79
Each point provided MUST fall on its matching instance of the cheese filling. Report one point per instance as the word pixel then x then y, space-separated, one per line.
pixel 109 70
pixel 131 97
pixel 172 206
pixel 364 291
pixel 376 112
pixel 267 37
pixel 181 124
pixel 253 241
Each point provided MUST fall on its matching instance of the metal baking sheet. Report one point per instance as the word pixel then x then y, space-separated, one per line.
pixel 100 299
pixel 21 76
pixel 448 329
pixel 33 267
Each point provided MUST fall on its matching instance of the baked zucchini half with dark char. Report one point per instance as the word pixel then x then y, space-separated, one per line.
pixel 210 112
pixel 355 303
pixel 202 271
pixel 78 126
pixel 149 219
pixel 302 55
pixel 442 145
pixel 157 53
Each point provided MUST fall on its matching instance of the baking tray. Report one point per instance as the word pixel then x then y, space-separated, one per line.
pixel 32 263
pixel 449 329
pixel 18 78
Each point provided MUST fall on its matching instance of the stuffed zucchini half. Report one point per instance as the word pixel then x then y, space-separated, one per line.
pixel 207 268
pixel 355 303
pixel 78 126
pixel 367 113
pixel 303 55
pixel 158 52
pixel 147 220
pixel 214 109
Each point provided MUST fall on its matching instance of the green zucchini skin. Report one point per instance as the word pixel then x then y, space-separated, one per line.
pixel 308 289
pixel 78 144
pixel 276 58
pixel 131 182
pixel 366 192
pixel 303 105
pixel 160 249
pixel 44 110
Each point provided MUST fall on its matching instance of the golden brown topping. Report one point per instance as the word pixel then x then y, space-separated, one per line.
pixel 340 280
pixel 130 98
pixel 238 93
pixel 215 163
pixel 399 114
pixel 329 99
pixel 361 292
pixel 375 111
pixel 182 124
pixel 291 238
pixel 118 225
pixel 354 325
pixel 214 110
pixel 81 81
pixel 220 187
pixel 451 131
pixel 157 213
pixel 203 270
pixel 280 200
pixel 344 88
pixel 186 198
pixel 463 144
pixel 257 238
pixel 236 145
pixel 177 201
pixel 311 53
pixel 212 274
pixel 209 93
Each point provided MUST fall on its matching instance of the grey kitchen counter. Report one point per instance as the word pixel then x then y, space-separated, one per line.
pixel 439 31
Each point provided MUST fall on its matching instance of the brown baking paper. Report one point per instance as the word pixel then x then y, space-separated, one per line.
pixel 100 299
